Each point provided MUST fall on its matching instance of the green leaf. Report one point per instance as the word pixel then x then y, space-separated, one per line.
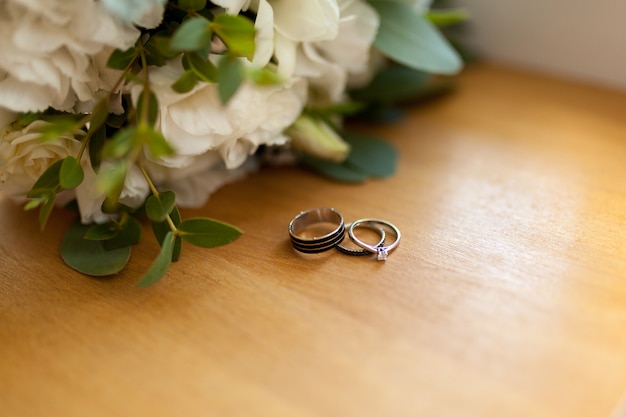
pixel 229 77
pixel 371 155
pixel 90 256
pixel 102 231
pixel 396 83
pixel 192 5
pixel 152 112
pixel 96 143
pixel 263 76
pixel 158 207
pixel 120 144
pixel 185 82
pixel 156 142
pixel 158 49
pixel 71 173
pixel 116 120
pixel 161 229
pixel 34 203
pixel 161 264
pixel 208 233
pixel 121 59
pixel 411 39
pixel 46 210
pixel 336 171
pixel 447 17
pixel 202 68
pixel 237 32
pixel 128 235
pixel 48 181
pixel 111 180
pixel 58 126
pixel 24 119
pixel 193 35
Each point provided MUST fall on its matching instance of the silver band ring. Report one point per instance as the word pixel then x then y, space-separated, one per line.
pixel 362 252
pixel 381 251
pixel 307 220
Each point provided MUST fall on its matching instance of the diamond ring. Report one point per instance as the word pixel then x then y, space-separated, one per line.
pixel 361 252
pixel 381 251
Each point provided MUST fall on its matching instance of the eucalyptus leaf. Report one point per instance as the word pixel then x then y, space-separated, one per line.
pixel 48 181
pixel 229 76
pixel 161 229
pixel 46 210
pixel 263 76
pixel 193 35
pixel 333 170
pixel 58 126
pixel 71 174
pixel 208 233
pixel 159 206
pixel 156 142
pixel 111 179
pixel 121 59
pixel 186 82
pixel 371 155
pixel 121 143
pixel 447 17
pixel 192 5
pixel 202 68
pixel 90 256
pixel 411 39
pixel 158 48
pixel 102 231
pixel 152 111
pixel 161 264
pixel 393 84
pixel 96 143
pixel 128 234
pixel 237 33
pixel 116 120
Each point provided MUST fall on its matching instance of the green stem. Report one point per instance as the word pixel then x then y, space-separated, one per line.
pixel 155 192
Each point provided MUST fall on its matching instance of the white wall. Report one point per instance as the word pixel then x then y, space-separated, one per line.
pixel 576 38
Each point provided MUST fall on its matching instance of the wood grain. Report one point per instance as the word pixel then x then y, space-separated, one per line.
pixel 506 297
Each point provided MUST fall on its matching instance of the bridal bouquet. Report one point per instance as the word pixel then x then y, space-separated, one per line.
pixel 133 108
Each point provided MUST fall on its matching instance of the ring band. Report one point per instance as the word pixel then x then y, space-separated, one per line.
pixel 381 251
pixel 316 244
pixel 362 252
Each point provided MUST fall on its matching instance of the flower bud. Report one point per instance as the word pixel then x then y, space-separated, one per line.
pixel 316 138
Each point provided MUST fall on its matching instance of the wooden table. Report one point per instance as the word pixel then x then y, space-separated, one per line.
pixel 506 297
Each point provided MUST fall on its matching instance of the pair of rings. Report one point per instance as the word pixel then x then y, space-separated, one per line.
pixel 309 232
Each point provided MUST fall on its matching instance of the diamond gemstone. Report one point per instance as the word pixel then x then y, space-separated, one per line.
pixel 381 255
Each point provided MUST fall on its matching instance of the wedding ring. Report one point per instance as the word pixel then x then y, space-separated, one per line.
pixel 381 251
pixel 361 252
pixel 309 230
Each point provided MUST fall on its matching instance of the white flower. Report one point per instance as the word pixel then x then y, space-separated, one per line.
pixel 144 13
pixel 196 122
pixel 23 157
pixel 47 50
pixel 194 183
pixel 329 64
pixel 90 198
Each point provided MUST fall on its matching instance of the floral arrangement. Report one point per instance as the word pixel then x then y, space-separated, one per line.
pixel 136 108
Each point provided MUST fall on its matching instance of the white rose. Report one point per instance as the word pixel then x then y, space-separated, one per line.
pixel 328 65
pixel 196 122
pixel 194 183
pixel 47 51
pixel 24 157
pixel 90 198
pixel 144 13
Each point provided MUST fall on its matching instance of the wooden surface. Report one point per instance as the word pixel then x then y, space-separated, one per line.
pixel 506 297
